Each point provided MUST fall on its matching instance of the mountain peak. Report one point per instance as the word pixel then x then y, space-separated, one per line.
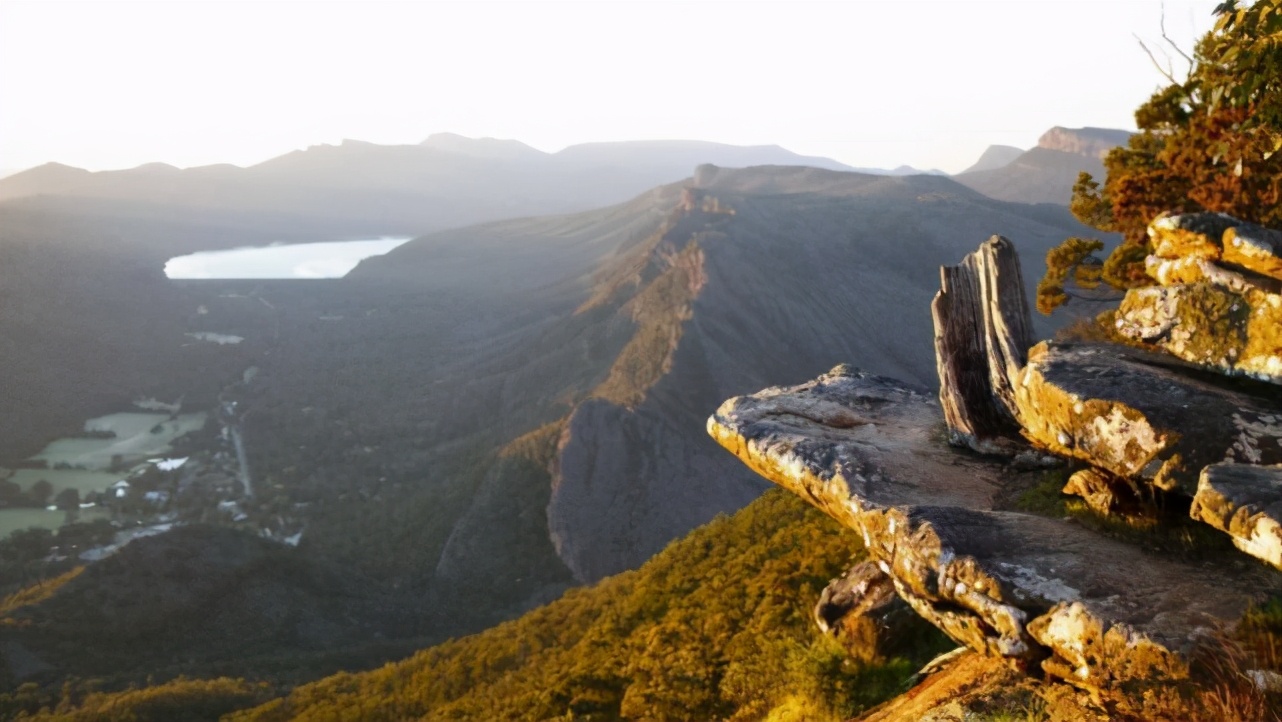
pixel 47 178
pixel 1090 142
pixel 995 156
pixel 155 168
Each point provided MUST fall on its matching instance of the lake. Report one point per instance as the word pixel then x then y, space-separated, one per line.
pixel 331 259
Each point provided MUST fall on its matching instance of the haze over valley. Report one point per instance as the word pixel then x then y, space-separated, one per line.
pixel 301 426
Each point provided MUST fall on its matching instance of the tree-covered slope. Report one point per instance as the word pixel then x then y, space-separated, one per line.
pixel 715 626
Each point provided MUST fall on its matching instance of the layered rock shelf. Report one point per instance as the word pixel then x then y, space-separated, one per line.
pixel 938 521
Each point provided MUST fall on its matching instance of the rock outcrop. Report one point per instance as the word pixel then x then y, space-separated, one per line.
pixel 1092 610
pixel 1109 495
pixel 1090 142
pixel 1218 237
pixel 1046 173
pixel 1141 416
pixel 862 591
pixel 861 610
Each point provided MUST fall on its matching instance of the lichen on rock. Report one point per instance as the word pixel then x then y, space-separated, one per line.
pixel 1224 321
pixel 1098 655
pixel 1254 247
pixel 1106 494
pixel 1189 234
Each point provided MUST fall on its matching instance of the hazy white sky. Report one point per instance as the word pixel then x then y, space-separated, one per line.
pixel 871 83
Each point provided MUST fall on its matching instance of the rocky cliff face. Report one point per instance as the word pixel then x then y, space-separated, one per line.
pixel 1107 614
pixel 1089 142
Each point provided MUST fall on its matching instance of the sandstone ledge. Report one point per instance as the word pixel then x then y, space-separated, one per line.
pixel 1244 501
pixel 1141 416
pixel 871 453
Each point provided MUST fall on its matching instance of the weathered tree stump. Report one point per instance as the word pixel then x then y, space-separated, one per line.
pixel 982 333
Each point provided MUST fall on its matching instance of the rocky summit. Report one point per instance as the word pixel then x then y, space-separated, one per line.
pixel 934 487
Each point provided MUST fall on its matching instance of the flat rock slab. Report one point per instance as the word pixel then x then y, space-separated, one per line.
pixel 1245 502
pixel 1141 416
pixel 872 454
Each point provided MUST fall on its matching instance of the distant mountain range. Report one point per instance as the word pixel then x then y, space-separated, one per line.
pixel 1046 173
pixel 446 181
pixel 450 180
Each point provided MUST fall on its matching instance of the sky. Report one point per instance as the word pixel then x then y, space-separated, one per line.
pixel 105 85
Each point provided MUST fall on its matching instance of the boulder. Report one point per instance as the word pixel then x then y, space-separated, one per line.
pixel 1190 235
pixel 1254 247
pixel 982 331
pixel 867 450
pixel 1233 329
pixel 1104 493
pixel 862 612
pixel 863 590
pixel 1179 271
pixel 1245 502
pixel 1142 416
